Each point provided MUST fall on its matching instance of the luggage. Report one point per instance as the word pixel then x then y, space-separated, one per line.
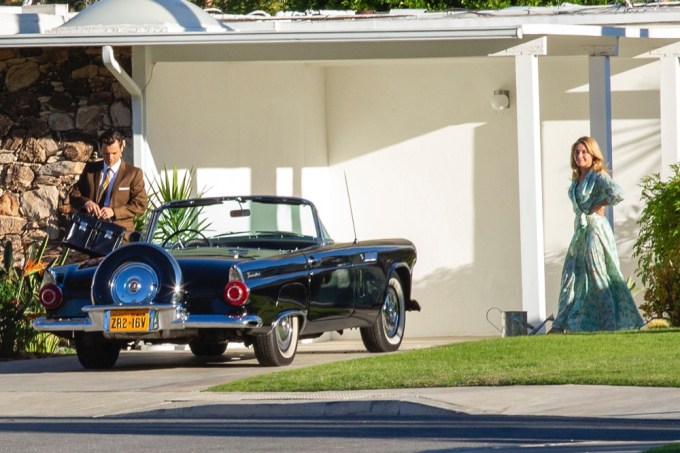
pixel 93 236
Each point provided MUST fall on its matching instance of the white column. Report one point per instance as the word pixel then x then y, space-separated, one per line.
pixel 599 81
pixel 530 187
pixel 141 73
pixel 670 112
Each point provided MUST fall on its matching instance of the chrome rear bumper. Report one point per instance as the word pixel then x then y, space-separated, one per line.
pixel 162 318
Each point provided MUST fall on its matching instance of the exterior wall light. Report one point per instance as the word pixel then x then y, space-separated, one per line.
pixel 500 100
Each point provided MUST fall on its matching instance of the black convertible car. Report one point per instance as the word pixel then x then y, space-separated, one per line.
pixel 260 270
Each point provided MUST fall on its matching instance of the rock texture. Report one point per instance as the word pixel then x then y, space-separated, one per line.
pixel 54 102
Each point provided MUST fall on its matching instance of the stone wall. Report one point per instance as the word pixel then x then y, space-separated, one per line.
pixel 54 102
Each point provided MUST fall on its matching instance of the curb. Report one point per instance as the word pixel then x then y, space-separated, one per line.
pixel 302 410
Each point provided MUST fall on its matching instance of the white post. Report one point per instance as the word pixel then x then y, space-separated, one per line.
pixel 141 72
pixel 599 80
pixel 530 187
pixel 670 113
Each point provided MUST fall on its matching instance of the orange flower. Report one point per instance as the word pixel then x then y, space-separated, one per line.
pixel 33 266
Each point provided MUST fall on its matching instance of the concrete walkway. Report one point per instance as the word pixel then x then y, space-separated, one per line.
pixel 171 382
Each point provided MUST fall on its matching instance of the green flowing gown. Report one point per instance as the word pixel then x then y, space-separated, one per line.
pixel 594 295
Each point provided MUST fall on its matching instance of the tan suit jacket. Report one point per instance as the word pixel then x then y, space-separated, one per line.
pixel 128 197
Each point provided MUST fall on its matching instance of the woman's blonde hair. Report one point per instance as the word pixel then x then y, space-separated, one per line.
pixel 594 150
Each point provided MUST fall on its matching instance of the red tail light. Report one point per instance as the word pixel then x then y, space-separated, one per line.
pixel 50 297
pixel 236 293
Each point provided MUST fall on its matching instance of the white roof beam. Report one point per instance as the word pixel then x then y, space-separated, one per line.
pixel 337 51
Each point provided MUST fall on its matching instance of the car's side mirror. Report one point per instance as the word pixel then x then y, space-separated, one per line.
pixel 135 236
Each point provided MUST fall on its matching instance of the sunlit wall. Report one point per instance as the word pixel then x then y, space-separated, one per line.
pixel 424 155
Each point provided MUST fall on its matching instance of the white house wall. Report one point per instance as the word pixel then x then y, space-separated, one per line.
pixel 428 159
pixel 425 156
pixel 252 120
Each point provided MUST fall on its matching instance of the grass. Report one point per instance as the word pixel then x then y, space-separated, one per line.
pixel 641 358
pixel 672 448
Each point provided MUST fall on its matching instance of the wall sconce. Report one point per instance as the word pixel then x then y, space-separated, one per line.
pixel 500 100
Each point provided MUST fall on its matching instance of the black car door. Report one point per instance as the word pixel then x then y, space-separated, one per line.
pixel 332 283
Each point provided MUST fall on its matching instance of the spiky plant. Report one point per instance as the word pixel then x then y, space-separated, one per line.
pixel 171 186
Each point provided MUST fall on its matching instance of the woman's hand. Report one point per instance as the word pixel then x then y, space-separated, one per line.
pixel 598 208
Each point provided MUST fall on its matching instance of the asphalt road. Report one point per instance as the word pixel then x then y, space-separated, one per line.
pixel 449 432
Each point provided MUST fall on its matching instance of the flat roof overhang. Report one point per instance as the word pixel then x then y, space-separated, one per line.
pixel 328 44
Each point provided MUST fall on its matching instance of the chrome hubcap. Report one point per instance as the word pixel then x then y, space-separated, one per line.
pixel 134 283
pixel 390 313
pixel 284 334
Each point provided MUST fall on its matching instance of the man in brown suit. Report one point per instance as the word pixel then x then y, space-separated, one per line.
pixel 111 189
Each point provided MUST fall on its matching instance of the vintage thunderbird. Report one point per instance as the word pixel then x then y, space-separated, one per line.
pixel 261 270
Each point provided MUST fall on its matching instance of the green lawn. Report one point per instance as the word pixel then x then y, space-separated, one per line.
pixel 641 358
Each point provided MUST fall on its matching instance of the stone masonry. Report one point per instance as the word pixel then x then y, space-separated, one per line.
pixel 54 102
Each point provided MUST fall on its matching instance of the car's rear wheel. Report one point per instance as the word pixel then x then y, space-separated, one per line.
pixel 95 352
pixel 208 348
pixel 387 331
pixel 279 346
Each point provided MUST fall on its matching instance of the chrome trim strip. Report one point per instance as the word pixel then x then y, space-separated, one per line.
pixel 62 325
pixel 168 319
pixel 220 321
pixel 101 308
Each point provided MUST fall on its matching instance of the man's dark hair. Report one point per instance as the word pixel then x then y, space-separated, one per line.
pixel 110 137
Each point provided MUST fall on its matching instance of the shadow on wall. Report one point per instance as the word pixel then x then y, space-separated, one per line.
pixel 455 300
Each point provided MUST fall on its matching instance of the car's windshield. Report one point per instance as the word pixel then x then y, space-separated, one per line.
pixel 235 222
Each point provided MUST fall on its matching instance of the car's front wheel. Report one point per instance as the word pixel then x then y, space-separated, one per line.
pixel 279 346
pixel 208 348
pixel 95 352
pixel 387 331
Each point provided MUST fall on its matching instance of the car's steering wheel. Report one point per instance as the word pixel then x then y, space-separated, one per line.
pixel 198 239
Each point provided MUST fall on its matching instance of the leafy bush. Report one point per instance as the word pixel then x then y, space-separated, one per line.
pixel 19 303
pixel 658 246
pixel 274 6
pixel 10 319
pixel 43 343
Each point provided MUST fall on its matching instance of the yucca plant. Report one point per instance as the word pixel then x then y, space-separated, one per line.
pixel 169 187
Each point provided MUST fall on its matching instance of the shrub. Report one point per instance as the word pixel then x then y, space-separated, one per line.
pixel 19 285
pixel 658 246
pixel 10 319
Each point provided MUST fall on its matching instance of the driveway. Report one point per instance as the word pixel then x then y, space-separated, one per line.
pixel 149 379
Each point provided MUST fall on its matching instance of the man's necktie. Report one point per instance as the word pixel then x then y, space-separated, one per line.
pixel 105 185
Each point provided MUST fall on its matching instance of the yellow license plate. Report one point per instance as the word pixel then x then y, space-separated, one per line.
pixel 129 321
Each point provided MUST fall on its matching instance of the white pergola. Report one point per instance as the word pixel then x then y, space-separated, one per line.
pixel 180 32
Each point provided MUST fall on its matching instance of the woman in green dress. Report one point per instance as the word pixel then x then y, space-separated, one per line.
pixel 593 295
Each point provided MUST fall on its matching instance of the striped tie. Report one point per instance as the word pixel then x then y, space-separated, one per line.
pixel 105 185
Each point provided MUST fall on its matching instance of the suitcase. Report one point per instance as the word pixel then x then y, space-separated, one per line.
pixel 93 236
